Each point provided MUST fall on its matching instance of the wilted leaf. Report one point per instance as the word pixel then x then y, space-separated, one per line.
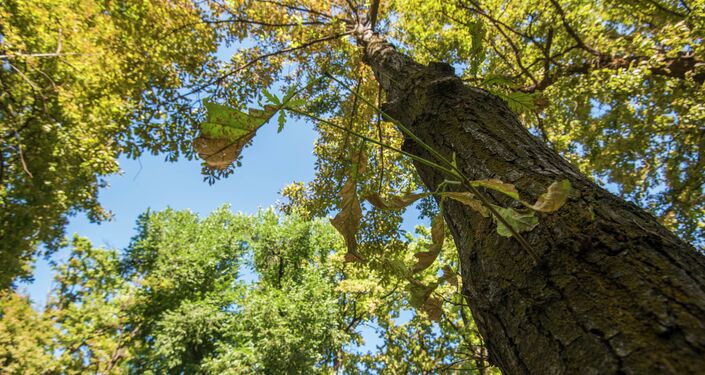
pixel 450 276
pixel 433 308
pixel 226 131
pixel 393 202
pixel 220 153
pixel 469 200
pixel 347 221
pixel 554 198
pixel 497 185
pixel 520 221
pixel 359 162
pixel 426 258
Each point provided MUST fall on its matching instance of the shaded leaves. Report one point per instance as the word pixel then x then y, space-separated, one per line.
pixel 520 221
pixel 426 258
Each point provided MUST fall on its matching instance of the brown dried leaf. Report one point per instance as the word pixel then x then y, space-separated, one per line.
pixel 347 221
pixel 469 200
pixel 433 308
pixel 220 153
pixel 393 202
pixel 419 292
pixel 450 276
pixel 426 258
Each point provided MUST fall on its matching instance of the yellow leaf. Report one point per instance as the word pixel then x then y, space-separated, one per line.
pixel 469 200
pixel 554 198
pixel 497 185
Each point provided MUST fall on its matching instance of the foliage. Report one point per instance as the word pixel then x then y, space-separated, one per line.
pixel 82 82
pixel 616 87
pixel 24 337
pixel 234 294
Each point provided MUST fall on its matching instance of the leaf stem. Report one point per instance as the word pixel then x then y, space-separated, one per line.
pixel 368 139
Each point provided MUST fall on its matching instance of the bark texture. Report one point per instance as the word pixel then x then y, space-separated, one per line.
pixel 614 292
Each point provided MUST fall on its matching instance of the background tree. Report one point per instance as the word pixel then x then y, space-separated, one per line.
pixel 231 294
pixel 83 82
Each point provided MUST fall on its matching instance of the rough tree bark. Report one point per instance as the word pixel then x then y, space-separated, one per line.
pixel 614 292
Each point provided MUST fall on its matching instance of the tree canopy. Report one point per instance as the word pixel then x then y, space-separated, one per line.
pixel 231 294
pixel 614 87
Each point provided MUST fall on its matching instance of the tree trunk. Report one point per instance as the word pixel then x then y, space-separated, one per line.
pixel 614 292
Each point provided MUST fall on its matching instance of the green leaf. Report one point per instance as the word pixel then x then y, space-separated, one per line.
pixel 272 98
pixel 290 92
pixel 519 101
pixel 281 120
pixel 227 131
pixel 492 80
pixel 520 221
pixel 294 103
pixel 554 198
pixel 497 185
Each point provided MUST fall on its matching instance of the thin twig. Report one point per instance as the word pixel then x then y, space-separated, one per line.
pixel 220 79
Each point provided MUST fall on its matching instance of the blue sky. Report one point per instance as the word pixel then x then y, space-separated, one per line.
pixel 272 161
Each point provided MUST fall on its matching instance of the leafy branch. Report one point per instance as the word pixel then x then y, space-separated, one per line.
pixel 228 130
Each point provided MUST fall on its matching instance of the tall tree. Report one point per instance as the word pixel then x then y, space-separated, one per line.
pixel 528 307
pixel 81 83
pixel 599 287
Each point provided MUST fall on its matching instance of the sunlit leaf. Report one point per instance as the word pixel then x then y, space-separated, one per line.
pixel 519 101
pixel 497 185
pixel 469 200
pixel 227 131
pixel 554 198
